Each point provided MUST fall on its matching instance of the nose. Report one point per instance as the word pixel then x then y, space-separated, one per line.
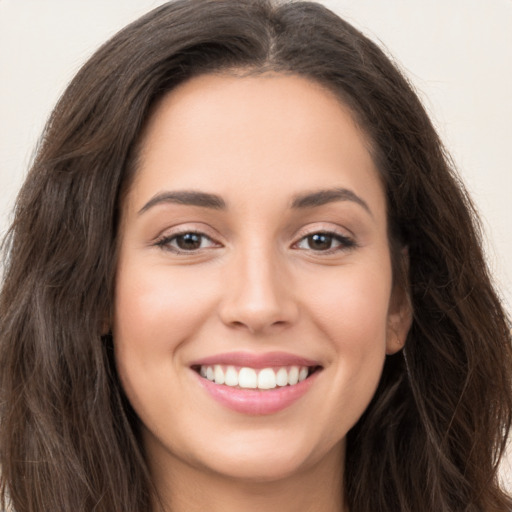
pixel 258 295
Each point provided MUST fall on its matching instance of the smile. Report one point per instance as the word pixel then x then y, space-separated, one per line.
pixel 256 384
pixel 252 378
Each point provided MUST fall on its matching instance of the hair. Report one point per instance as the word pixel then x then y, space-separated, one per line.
pixel 432 437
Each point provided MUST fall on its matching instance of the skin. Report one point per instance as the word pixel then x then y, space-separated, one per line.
pixel 256 284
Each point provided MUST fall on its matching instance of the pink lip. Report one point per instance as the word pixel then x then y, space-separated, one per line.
pixel 256 402
pixel 256 361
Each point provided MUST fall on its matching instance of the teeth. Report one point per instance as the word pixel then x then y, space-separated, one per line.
pixel 266 379
pixel 218 374
pixel 231 377
pixel 293 376
pixel 249 378
pixel 282 377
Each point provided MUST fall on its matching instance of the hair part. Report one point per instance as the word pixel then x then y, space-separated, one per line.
pixel 436 429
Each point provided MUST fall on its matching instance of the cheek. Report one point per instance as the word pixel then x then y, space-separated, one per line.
pixel 351 306
pixel 156 311
pixel 158 308
pixel 352 314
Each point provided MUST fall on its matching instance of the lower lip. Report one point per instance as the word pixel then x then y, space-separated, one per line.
pixel 254 401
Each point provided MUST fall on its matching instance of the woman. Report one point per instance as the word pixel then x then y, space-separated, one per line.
pixel 242 275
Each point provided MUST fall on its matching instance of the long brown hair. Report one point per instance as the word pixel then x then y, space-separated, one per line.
pixel 433 436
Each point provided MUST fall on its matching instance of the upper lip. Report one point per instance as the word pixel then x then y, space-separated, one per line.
pixel 252 360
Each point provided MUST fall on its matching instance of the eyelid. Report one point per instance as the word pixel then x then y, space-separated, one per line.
pixel 322 227
pixel 347 240
pixel 163 239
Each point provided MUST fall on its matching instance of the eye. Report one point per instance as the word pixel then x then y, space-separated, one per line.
pixel 189 241
pixel 325 242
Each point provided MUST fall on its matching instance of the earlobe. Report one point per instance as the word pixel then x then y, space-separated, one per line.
pixel 399 324
pixel 400 313
pixel 106 325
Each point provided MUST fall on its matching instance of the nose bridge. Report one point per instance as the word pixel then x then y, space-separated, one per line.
pixel 256 296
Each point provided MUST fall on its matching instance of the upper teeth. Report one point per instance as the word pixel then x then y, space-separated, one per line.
pixel 265 378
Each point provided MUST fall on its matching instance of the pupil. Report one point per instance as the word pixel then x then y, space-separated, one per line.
pixel 189 241
pixel 319 241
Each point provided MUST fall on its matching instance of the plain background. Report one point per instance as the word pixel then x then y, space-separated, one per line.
pixel 457 53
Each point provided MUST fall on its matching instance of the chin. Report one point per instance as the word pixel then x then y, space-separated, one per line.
pixel 265 458
pixel 255 469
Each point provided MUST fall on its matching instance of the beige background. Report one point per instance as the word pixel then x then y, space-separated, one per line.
pixel 458 53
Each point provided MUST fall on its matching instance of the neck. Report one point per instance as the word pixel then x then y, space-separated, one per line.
pixel 184 488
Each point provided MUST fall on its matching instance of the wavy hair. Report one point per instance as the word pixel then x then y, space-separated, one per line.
pixel 434 433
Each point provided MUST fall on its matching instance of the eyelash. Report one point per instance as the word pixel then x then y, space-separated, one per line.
pixel 166 241
pixel 345 243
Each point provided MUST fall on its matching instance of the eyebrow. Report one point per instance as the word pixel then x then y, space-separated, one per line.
pixel 322 197
pixel 215 202
pixel 186 197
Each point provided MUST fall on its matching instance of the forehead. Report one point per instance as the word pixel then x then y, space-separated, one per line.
pixel 229 134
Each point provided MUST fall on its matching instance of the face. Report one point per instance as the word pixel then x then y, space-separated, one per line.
pixel 254 305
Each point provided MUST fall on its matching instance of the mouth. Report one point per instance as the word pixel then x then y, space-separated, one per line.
pixel 256 384
pixel 247 377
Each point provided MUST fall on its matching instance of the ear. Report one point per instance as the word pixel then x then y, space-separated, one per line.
pixel 106 324
pixel 399 323
pixel 400 312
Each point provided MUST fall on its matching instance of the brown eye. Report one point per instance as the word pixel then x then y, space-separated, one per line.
pixel 186 242
pixel 319 241
pixel 325 242
pixel 189 241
